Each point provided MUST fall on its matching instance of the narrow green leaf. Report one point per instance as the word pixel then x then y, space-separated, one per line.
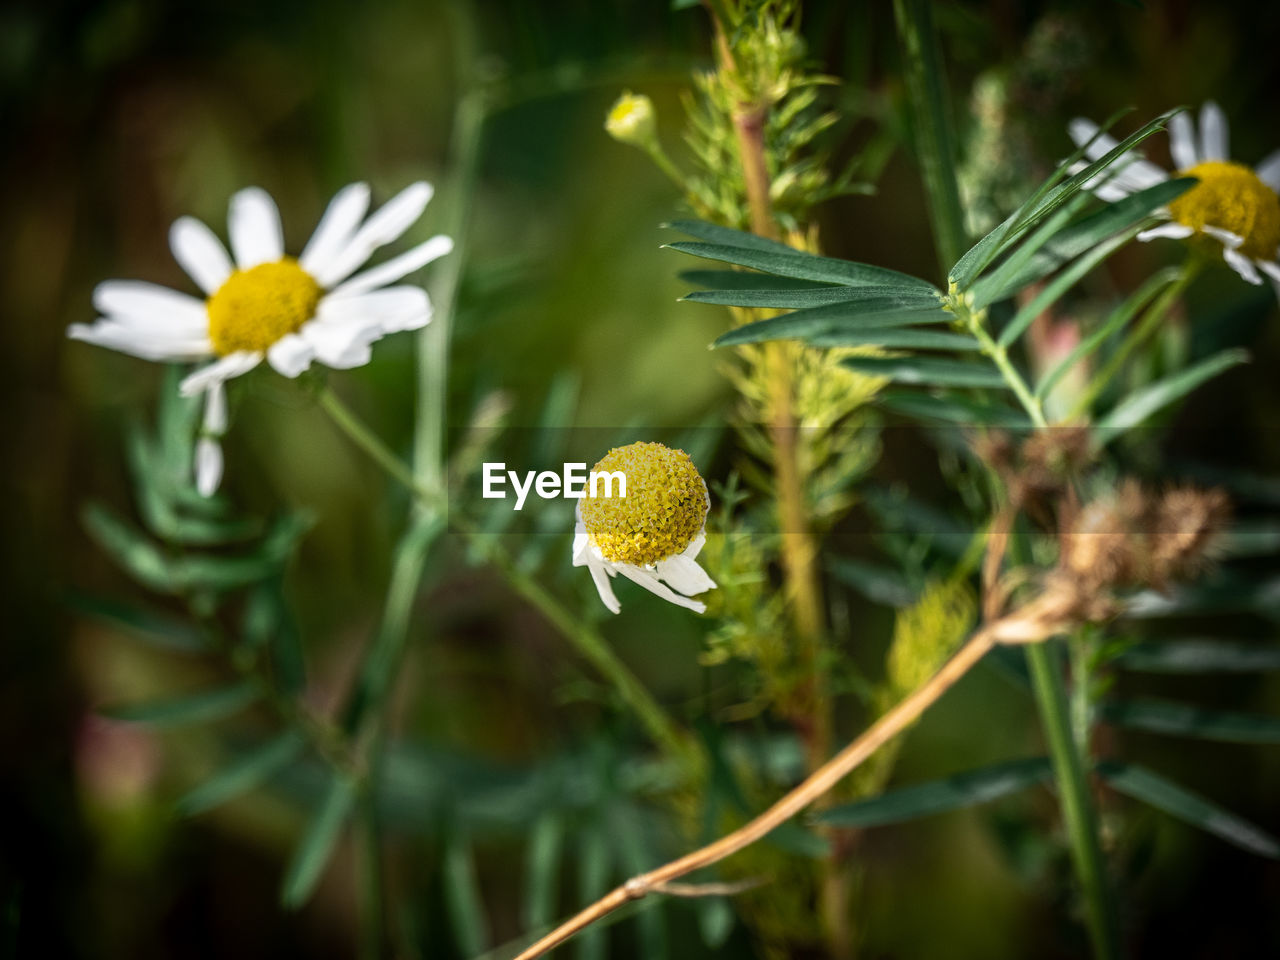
pixel 1061 284
pixel 714 233
pixel 1192 808
pixel 1137 407
pixel 318 843
pixel 159 630
pixel 830 320
pixel 952 408
pixel 1119 318
pixel 246 772
pixel 715 921
pixel 542 870
pixel 938 796
pixel 593 883
pixel 131 549
pixel 896 338
pixel 804 266
pixel 1085 234
pixel 200 707
pixel 880 584
pixel 744 280
pixel 462 897
pixel 637 855
pixel 1200 656
pixel 996 284
pixel 928 371
pixel 774 298
pixel 1186 720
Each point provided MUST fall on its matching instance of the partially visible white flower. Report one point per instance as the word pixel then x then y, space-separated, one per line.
pixel 1232 205
pixel 653 535
pixel 269 306
pixel 632 120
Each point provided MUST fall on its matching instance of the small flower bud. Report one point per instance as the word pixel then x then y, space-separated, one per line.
pixel 632 120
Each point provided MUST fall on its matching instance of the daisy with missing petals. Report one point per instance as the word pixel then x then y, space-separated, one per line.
pixel 269 306
pixel 1232 206
pixel 651 535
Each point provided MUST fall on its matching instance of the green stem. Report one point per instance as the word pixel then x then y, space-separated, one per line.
pixel 1074 796
pixel 1141 332
pixel 976 325
pixel 369 875
pixel 349 423
pixel 931 126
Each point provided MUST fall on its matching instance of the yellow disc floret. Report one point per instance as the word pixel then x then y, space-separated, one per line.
pixel 258 306
pixel 664 509
pixel 1232 197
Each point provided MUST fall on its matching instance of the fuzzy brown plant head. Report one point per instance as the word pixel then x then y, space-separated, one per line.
pixel 1185 526
pixel 1099 548
pixel 1051 457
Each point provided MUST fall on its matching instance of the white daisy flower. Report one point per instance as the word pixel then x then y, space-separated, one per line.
pixel 1233 206
pixel 653 533
pixel 269 306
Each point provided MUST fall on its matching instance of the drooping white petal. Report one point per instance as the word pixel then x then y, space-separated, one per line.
pixel 1213 132
pixel 254 225
pixel 1269 171
pixel 221 370
pixel 199 252
pixel 386 224
pixel 599 575
pixel 1182 142
pixel 696 544
pixel 290 355
pixel 1168 231
pixel 141 343
pixel 341 345
pixel 1129 169
pixel 215 409
pixel 336 227
pixel 1084 131
pixel 397 267
pixel 1242 265
pixel 684 575
pixel 151 306
pixel 1270 268
pixel 392 308
pixel 581 544
pixel 657 588
pixel 208 466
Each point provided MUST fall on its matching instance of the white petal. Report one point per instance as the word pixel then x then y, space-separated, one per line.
pixel 150 306
pixel 1269 171
pixel 232 365
pixel 1138 174
pixel 685 575
pixel 290 355
pixel 581 544
pixel 1213 132
pixel 1229 239
pixel 1084 131
pixel 254 224
pixel 696 544
pixel 1270 268
pixel 1168 231
pixel 200 253
pixel 651 583
pixel 208 465
pixel 336 227
pixel 390 220
pixel 1241 265
pixel 341 345
pixel 140 343
pixel 397 267
pixel 392 308
pixel 1182 142
pixel 1131 169
pixel 215 409
pixel 603 586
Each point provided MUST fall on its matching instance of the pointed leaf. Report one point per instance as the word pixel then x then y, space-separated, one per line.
pixel 835 318
pixel 1135 409
pixel 1187 720
pixel 952 408
pixel 938 796
pixel 593 882
pixel 542 870
pixel 880 584
pixel 197 708
pixel 745 280
pixel 805 266
pixel 763 295
pixel 246 772
pixel 318 843
pixel 714 233
pixel 1200 656
pixel 1177 801
pixel 896 338
pixel 927 371
pixel 462 895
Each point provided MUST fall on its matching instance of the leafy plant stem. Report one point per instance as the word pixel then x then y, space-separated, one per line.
pixel 931 126
pixel 349 423
pixel 1144 329
pixel 975 323
pixel 1077 804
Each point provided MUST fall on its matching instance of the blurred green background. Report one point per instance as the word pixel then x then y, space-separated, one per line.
pixel 123 115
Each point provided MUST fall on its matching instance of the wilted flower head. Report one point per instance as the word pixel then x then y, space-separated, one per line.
pixel 652 534
pixel 269 306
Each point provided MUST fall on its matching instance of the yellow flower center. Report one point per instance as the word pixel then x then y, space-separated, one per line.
pixel 664 509
pixel 258 306
pixel 1230 196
